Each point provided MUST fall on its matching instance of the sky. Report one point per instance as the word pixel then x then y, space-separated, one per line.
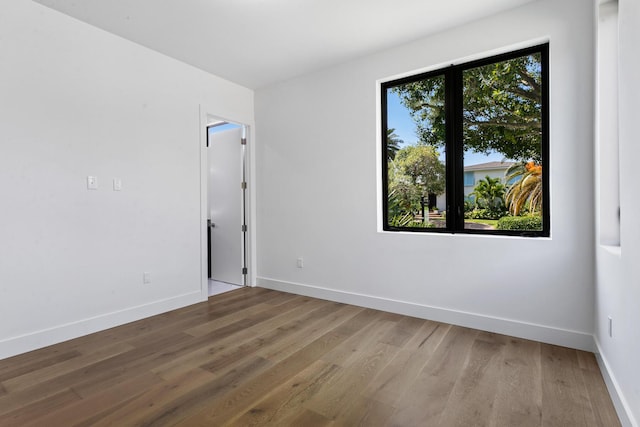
pixel 220 128
pixel 399 118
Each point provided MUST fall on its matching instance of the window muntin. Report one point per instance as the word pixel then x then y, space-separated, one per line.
pixel 486 124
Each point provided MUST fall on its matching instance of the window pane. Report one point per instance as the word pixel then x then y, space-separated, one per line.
pixel 415 143
pixel 502 137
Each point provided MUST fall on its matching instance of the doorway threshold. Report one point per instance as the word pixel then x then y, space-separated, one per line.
pixel 216 287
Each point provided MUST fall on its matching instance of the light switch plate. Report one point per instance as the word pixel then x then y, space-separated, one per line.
pixel 117 184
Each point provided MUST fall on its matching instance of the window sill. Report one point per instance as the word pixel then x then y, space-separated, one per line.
pixel 464 235
pixel 612 249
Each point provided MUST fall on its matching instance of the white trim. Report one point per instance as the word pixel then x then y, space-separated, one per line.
pixel 530 331
pixel 57 334
pixel 204 275
pixel 252 218
pixel 619 402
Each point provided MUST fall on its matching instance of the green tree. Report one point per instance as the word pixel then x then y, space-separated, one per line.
pixel 393 144
pixel 420 163
pixel 404 195
pixel 489 193
pixel 415 172
pixel 501 104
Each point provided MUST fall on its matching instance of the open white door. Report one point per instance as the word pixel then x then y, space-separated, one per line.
pixel 225 206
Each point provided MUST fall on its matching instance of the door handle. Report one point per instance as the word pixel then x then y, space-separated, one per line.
pixel 210 224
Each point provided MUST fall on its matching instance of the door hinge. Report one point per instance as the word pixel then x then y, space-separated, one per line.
pixel 244 270
pixel 243 185
pixel 244 228
pixel 243 141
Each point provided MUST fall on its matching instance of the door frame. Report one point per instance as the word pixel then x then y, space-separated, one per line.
pixel 207 116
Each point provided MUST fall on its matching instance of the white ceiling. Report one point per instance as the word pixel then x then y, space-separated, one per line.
pixel 259 42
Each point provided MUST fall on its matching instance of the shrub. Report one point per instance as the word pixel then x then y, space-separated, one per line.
pixel 468 206
pixel 401 220
pixel 476 214
pixel 420 224
pixel 529 222
pixel 407 220
pixel 493 213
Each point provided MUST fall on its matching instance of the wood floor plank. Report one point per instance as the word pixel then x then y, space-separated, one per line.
pixel 282 298
pixel 28 413
pixel 338 393
pixel 119 368
pixel 587 361
pixel 599 399
pixel 293 343
pixel 519 398
pixel 254 357
pixel 363 411
pixel 391 383
pixel 200 398
pixel 220 321
pixel 36 365
pixel 603 411
pixel 425 399
pixel 286 402
pixel 50 372
pixel 308 419
pixel 358 344
pixel 142 407
pixel 229 350
pixel 78 411
pixel 474 393
pixel 94 377
pixel 270 335
pixel 404 329
pixel 565 400
pixel 242 398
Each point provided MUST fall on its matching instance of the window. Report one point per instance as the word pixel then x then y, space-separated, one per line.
pixel 473 138
pixel 469 179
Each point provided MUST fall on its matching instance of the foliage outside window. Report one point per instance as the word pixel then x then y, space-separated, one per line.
pixel 466 147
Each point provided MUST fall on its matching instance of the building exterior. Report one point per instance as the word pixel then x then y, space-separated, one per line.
pixel 474 173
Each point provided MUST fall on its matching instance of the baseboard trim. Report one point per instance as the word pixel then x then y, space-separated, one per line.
pixel 546 334
pixel 619 402
pixel 57 334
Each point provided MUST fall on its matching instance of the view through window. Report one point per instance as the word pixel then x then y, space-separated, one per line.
pixel 466 147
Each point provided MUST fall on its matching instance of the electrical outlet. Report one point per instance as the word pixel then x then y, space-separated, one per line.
pixel 146 277
pixel 117 184
pixel 92 182
pixel 300 262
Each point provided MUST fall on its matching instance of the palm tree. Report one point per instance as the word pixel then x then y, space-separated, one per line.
pixel 393 144
pixel 526 189
pixel 489 192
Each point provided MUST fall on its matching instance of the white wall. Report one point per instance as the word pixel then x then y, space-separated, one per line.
pixel 77 101
pixel 317 191
pixel 618 270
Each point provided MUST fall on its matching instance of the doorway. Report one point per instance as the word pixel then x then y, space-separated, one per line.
pixel 226 206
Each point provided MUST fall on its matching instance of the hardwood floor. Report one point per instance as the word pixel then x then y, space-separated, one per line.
pixel 260 357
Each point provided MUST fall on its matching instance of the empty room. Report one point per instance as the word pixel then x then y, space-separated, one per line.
pixel 315 213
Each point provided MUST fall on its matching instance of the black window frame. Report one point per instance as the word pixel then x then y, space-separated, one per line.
pixel 454 162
